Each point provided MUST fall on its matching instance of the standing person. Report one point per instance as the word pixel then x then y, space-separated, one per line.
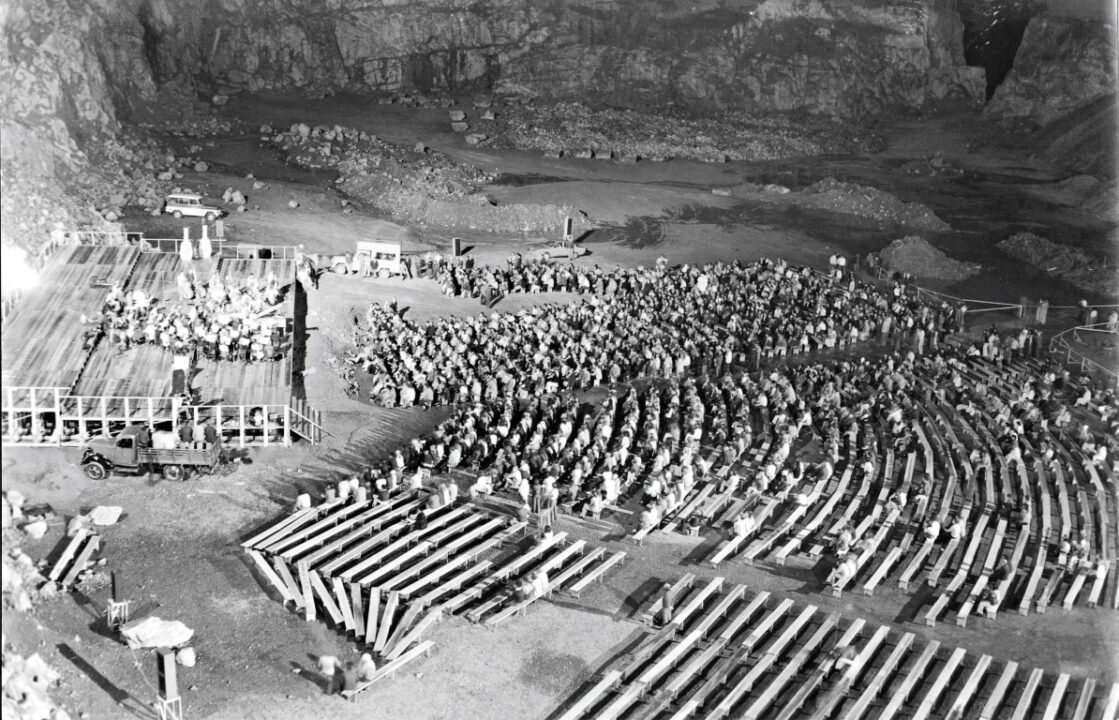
pixel 186 251
pixel 349 677
pixel 366 668
pixel 328 666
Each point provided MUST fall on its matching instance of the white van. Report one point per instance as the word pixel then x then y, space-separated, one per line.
pixel 180 204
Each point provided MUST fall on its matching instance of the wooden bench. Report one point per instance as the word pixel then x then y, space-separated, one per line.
pixel 389 669
pixel 998 692
pixel 978 673
pixel 596 574
pixel 880 678
pixel 916 673
pixel 1025 700
pixel 585 701
pixel 1056 697
pixel 939 685
pixel 826 705
pixel 788 672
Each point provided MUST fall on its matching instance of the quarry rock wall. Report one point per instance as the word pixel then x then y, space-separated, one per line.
pixel 838 57
pixel 1063 64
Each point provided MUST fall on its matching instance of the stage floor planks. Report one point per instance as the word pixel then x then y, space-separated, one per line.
pixel 42 340
pixel 143 371
pixel 235 383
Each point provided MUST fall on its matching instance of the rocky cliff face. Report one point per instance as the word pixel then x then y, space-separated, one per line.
pixel 73 70
pixel 841 57
pixel 1063 63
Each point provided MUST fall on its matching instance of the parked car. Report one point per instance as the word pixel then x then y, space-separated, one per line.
pixel 190 205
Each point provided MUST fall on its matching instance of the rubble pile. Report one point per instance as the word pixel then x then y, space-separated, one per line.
pixel 914 256
pixel 413 184
pixel 853 199
pixel 571 128
pixel 111 174
pixel 23 583
pixel 1081 268
pixel 27 681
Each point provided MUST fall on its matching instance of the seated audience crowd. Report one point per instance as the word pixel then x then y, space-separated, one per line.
pixel 657 322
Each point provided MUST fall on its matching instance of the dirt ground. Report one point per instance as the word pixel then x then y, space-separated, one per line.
pixel 177 548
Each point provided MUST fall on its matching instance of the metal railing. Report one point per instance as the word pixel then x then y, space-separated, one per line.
pixel 1059 344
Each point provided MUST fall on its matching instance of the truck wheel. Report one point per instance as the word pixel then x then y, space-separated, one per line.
pixel 178 214
pixel 95 470
pixel 384 274
pixel 545 256
pixel 173 472
pixel 340 268
pixel 210 217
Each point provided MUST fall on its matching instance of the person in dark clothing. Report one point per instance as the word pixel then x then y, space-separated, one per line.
pixel 349 677
pixel 210 433
pixel 186 433
pixel 144 437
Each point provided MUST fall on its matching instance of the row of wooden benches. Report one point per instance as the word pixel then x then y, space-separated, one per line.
pixel 714 651
pixel 375 573
pixel 893 547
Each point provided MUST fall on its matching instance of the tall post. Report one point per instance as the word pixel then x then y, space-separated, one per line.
pixel 266 428
pixel 58 415
pixel 36 422
pixel 287 426
pixel 241 424
pixel 82 427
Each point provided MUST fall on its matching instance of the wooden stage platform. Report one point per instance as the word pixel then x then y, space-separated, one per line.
pixel 48 370
pixel 42 339
pixel 145 370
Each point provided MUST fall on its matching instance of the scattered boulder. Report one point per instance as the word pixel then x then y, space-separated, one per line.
pixel 105 514
pixel 459 127
pixel 293 204
pixel 456 115
pixel 165 175
pixel 489 115
pixel 219 100
pixel 201 166
pixel 475 138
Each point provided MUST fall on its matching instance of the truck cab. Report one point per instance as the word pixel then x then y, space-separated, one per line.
pixel 120 452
